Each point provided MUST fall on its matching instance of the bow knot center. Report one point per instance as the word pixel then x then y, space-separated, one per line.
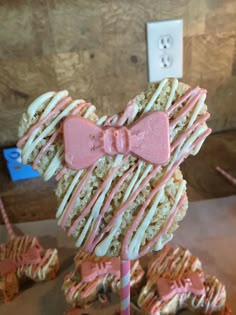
pixel 183 285
pixel 116 140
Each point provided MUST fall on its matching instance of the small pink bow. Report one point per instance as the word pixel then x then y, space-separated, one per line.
pixel 90 270
pixel 31 257
pixel 168 288
pixel 86 142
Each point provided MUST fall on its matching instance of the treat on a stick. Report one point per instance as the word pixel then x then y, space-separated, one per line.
pixel 22 258
pixel 93 277
pixel 176 281
pixel 120 190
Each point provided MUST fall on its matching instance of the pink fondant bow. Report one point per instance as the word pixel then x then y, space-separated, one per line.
pixel 90 270
pixel 31 257
pixel 168 288
pixel 86 142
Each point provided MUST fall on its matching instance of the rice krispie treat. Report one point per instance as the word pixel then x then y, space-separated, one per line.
pixel 94 276
pixel 22 258
pixel 120 190
pixel 176 281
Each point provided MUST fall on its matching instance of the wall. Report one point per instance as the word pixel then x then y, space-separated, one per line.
pixel 96 49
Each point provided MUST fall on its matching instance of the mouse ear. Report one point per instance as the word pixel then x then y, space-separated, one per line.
pixel 195 131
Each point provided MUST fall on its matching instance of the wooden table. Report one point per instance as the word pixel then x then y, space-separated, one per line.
pixel 203 231
pixel 33 200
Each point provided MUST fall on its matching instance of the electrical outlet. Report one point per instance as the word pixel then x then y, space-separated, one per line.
pixel 165 49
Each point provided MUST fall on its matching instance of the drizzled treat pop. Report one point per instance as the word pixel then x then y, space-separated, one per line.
pixel 94 277
pixel 22 258
pixel 120 190
pixel 175 281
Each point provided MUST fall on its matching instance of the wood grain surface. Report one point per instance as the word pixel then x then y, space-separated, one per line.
pixel 97 50
pixel 33 200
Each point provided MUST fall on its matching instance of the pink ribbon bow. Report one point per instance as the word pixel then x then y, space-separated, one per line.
pixel 168 288
pixel 31 257
pixel 85 142
pixel 91 270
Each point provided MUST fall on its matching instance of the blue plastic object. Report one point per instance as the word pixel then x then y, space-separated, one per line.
pixel 17 170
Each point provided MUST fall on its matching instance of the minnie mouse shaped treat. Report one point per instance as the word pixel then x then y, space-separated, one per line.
pixel 93 277
pixel 22 258
pixel 176 281
pixel 120 189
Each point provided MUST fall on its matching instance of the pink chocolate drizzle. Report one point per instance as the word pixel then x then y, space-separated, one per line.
pixel 191 97
pixel 112 173
pixel 45 148
pixel 108 202
pixel 78 109
pixel 38 124
pixel 61 173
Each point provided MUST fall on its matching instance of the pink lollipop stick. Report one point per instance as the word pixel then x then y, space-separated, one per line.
pixel 10 231
pixel 229 177
pixel 125 287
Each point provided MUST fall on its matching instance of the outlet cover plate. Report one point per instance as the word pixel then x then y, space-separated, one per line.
pixel 165 49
